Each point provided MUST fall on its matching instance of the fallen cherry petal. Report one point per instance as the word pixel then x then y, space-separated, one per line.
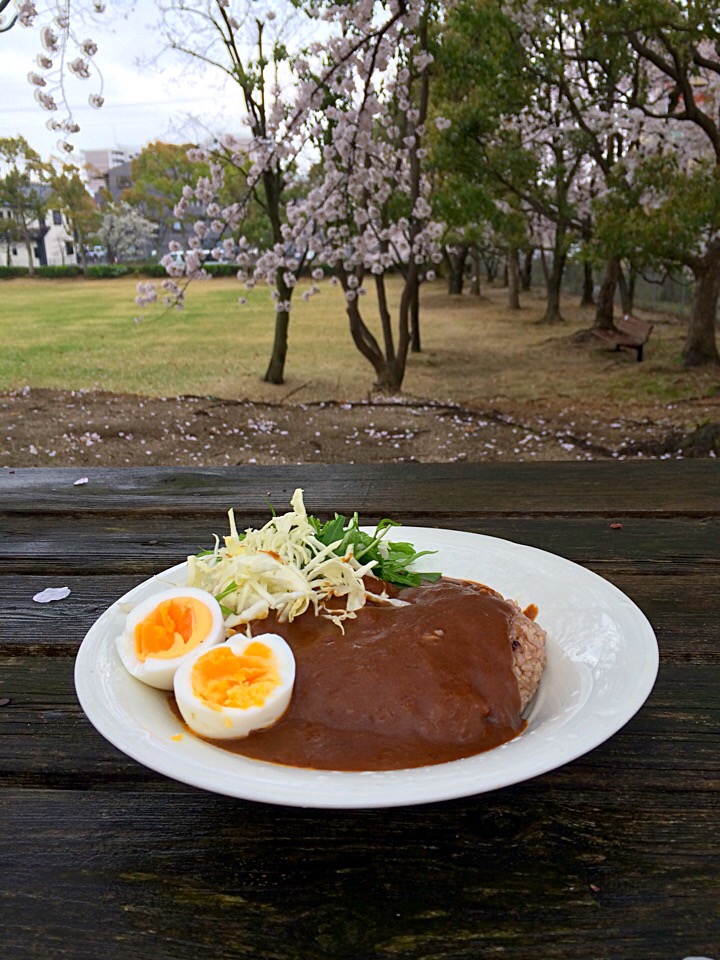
pixel 4 701
pixel 51 593
pixel 616 526
pixel 78 483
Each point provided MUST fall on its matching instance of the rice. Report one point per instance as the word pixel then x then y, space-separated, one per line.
pixel 529 657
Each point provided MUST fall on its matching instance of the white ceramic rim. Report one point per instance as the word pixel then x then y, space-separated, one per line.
pixel 602 664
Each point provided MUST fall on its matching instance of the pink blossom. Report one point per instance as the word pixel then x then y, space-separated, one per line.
pixel 45 100
pixel 50 594
pixel 80 67
pixel 27 12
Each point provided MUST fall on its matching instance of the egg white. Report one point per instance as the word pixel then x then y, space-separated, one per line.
pixel 236 722
pixel 156 671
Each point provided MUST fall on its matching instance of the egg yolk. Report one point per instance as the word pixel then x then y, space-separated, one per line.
pixel 222 678
pixel 173 629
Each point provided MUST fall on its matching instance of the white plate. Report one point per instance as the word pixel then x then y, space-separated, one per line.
pixel 602 663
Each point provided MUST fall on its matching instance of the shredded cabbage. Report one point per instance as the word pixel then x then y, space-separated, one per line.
pixel 282 567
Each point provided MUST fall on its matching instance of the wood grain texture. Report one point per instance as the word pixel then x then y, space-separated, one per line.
pixel 126 544
pixel 612 857
pixel 656 488
pixel 546 872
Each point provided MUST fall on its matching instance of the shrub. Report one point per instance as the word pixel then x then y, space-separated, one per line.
pixel 7 273
pixel 49 272
pixel 55 272
pixel 151 270
pixel 222 269
pixel 106 271
pixel 109 271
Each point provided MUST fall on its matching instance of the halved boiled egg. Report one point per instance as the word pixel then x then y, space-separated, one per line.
pixel 240 686
pixel 162 631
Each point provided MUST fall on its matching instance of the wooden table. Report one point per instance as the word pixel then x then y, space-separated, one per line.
pixel 615 855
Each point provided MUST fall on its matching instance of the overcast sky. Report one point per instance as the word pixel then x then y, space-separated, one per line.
pixel 140 104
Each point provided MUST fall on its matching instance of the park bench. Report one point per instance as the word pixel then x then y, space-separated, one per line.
pixel 631 333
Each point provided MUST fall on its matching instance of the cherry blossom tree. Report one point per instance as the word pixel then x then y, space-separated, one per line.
pixel 511 133
pixel 583 72
pixel 356 112
pixel 369 213
pixel 675 69
pixel 124 232
pixel 642 82
pixel 246 43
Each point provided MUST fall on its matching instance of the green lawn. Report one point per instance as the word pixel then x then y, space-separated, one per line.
pixel 82 334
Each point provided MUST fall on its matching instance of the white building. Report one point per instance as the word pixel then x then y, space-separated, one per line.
pixel 52 242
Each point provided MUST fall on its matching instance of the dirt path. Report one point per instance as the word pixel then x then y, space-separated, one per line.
pixel 58 428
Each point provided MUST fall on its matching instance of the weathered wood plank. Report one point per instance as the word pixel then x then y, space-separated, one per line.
pixel 123 544
pixel 46 739
pixel 661 488
pixel 54 629
pixel 531 872
pixel 679 607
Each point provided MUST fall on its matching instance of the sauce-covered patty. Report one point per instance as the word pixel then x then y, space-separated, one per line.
pixel 405 686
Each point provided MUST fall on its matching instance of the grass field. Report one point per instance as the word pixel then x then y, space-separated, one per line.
pixel 83 335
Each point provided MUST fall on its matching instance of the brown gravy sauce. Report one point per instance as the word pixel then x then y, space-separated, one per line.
pixel 403 687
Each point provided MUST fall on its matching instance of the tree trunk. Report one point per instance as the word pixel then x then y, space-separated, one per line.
pixel 390 378
pixel 415 345
pixel 83 256
pixel 700 345
pixel 605 311
pixel 491 266
pixel 526 273
pixel 627 290
pixel 388 361
pixel 273 187
pixel 275 372
pixel 554 284
pixel 475 278
pixel 513 271
pixel 587 299
pixel 543 263
pixel 455 263
pixel 28 249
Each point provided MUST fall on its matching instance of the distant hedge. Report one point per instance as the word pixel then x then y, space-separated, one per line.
pixel 68 270
pixel 107 271
pixel 8 272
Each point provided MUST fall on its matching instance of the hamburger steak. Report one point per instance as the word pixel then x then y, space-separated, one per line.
pixel 444 675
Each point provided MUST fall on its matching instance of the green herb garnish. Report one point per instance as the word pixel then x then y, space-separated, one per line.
pixel 391 563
